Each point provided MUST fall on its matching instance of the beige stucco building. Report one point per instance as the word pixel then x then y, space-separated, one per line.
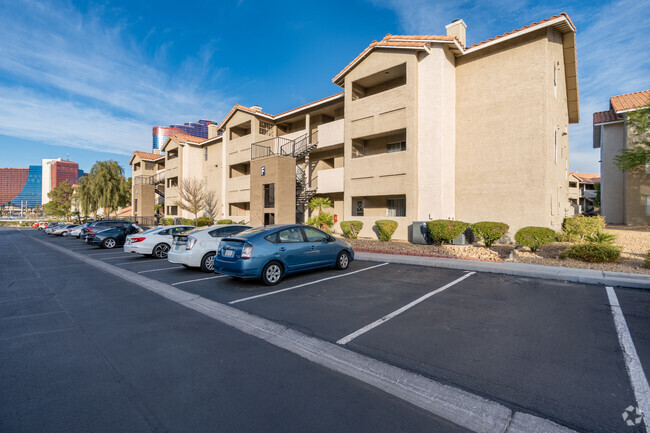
pixel 625 196
pixel 425 127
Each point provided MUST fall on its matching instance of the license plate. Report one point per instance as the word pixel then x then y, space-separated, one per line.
pixel 228 253
pixel 177 247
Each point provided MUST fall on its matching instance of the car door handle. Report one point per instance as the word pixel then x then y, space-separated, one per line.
pixel 313 247
pixel 282 249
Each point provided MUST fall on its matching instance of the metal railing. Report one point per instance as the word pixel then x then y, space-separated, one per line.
pixel 268 147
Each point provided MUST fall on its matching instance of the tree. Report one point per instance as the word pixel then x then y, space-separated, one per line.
pixel 52 208
pixel 62 197
pixel 109 186
pixel 211 203
pixel 638 122
pixel 87 196
pixel 192 196
pixel 323 220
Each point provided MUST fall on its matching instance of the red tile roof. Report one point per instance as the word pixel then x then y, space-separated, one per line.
pixel 186 138
pixel 526 27
pixel 630 101
pixel 605 117
pixel 147 156
pixel 587 177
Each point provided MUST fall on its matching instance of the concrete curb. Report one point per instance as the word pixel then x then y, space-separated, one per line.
pixel 587 276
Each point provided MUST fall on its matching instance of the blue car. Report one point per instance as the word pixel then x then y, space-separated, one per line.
pixel 270 252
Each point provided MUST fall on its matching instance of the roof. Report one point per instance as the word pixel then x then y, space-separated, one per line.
pixel 587 177
pixel 277 116
pixel 529 26
pixel 630 101
pixel 184 138
pixel 562 21
pixel 605 117
pixel 146 156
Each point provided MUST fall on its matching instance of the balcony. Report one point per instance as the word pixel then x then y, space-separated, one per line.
pixel 330 181
pixel 331 134
pixel 239 189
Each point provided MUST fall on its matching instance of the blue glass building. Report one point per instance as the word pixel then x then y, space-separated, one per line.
pixel 30 195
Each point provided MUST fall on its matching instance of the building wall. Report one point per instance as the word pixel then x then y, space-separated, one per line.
pixel 502 134
pixel 275 169
pixel 63 171
pixel 12 181
pixel 212 168
pixel 173 169
pixel 30 195
pixel 637 187
pixel 612 189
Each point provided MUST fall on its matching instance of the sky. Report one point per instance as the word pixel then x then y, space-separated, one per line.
pixel 88 80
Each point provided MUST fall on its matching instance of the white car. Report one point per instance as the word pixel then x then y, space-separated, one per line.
pixel 196 248
pixel 156 241
pixel 63 230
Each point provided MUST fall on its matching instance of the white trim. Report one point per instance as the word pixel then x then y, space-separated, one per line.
pixel 453 23
pixel 631 109
pixel 609 123
pixel 313 104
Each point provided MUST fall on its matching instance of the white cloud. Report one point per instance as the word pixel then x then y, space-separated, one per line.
pixel 53 54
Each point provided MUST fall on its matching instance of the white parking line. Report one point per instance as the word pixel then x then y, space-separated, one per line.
pixel 135 261
pixel 116 257
pixel 386 318
pixel 161 269
pixel 111 254
pixel 199 279
pixel 632 361
pixel 303 285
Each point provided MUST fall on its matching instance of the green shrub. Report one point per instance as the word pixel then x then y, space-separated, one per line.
pixel 593 252
pixel 323 221
pixel 351 229
pixel 577 228
pixel 225 222
pixel 386 228
pixel 166 221
pixel 647 260
pixel 204 221
pixel 489 232
pixel 187 221
pixel 601 238
pixel 445 230
pixel 534 237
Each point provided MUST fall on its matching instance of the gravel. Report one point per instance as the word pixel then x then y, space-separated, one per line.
pixel 635 243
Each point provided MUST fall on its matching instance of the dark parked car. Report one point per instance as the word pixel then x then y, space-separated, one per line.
pixel 98 226
pixel 270 252
pixel 113 237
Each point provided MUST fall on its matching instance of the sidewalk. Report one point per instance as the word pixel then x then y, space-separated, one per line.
pixel 588 276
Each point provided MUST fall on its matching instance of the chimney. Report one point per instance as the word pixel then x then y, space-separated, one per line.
pixel 156 151
pixel 457 28
pixel 256 108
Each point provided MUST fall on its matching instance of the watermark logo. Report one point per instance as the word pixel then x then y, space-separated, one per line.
pixel 632 416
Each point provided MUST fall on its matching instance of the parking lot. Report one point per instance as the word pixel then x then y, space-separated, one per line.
pixel 545 348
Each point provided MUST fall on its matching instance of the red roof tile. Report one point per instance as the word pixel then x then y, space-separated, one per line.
pixel 526 27
pixel 587 177
pixel 605 117
pixel 187 138
pixel 147 156
pixel 630 101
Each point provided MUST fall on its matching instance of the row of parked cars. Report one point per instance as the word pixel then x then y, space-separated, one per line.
pixel 268 252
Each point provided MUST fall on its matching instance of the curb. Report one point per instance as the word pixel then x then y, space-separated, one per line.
pixel 586 276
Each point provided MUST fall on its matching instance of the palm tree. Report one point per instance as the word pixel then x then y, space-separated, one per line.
pixel 320 203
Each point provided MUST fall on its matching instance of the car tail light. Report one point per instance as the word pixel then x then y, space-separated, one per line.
pixel 190 242
pixel 247 251
pixel 134 240
pixel 90 229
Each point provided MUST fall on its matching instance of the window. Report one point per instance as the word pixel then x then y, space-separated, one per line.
pixel 205 153
pixel 396 207
pixel 165 232
pixel 172 210
pixel 573 184
pixel 269 195
pixel 358 207
pixel 314 235
pixel 290 235
pixel 647 205
pixel 135 204
pixel 399 146
pixel 225 232
pixel 265 127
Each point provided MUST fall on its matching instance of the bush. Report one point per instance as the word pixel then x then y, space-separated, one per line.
pixel 187 221
pixel 351 229
pixel 577 228
pixel 445 230
pixel 166 221
pixel 386 228
pixel 647 260
pixel 225 222
pixel 601 238
pixel 593 252
pixel 489 232
pixel 323 221
pixel 534 237
pixel 204 221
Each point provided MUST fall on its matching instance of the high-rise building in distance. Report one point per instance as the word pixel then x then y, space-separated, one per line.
pixel 195 129
pixel 21 186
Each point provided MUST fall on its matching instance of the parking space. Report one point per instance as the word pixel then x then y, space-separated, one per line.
pixel 548 348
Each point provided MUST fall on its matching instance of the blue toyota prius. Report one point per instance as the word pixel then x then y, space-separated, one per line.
pixel 270 252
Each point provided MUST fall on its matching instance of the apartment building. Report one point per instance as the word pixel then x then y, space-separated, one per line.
pixel 582 192
pixel 425 127
pixel 148 184
pixel 625 196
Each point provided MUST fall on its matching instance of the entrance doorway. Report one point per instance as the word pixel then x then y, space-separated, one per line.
pixel 269 218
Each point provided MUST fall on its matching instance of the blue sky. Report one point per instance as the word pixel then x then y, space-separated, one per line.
pixel 90 79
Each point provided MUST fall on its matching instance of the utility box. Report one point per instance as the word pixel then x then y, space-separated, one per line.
pixel 418 233
pixel 465 238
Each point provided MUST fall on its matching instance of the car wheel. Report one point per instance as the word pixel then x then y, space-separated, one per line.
pixel 207 262
pixel 343 260
pixel 272 273
pixel 109 243
pixel 160 251
pixel 64 234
